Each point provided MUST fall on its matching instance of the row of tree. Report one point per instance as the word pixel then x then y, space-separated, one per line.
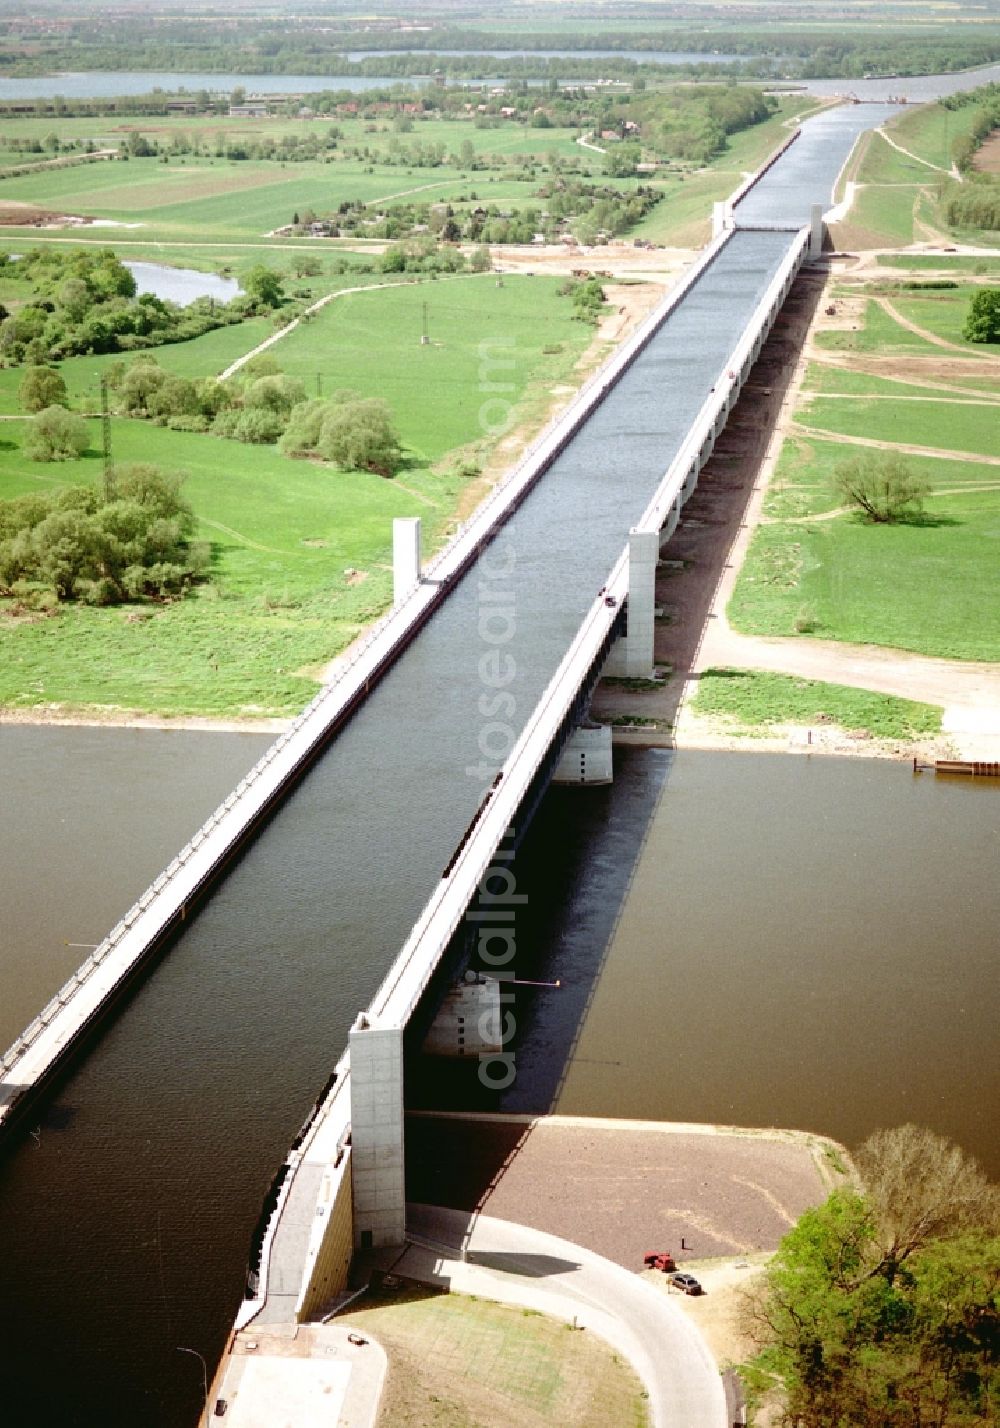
pixel 263 406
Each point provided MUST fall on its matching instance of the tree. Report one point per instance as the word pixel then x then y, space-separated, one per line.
pixel 306 266
pixel 982 323
pixel 56 435
pixel 847 1335
pixel 883 488
pixel 847 1348
pixel 263 285
pixel 922 1187
pixel 360 436
pixel 480 260
pixel 41 387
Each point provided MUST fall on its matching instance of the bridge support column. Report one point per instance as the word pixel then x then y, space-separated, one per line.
pixel 405 556
pixel 377 1134
pixel 586 757
pixel 632 655
pixel 816 231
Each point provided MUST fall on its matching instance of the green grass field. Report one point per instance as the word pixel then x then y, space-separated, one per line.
pixel 950 423
pixel 881 333
pixel 946 263
pixel 822 377
pixel 929 587
pixel 755 701
pixel 284 532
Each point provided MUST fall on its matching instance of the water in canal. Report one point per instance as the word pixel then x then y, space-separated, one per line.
pixel 753 939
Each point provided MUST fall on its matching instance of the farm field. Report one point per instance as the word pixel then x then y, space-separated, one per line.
pixel 222 200
pixel 283 533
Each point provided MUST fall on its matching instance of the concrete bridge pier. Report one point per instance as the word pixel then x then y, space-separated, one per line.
pixel 377 1133
pixel 405 557
pixel 632 656
pixel 586 757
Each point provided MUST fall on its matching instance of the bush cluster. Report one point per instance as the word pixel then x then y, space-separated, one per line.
pixel 129 542
pixel 262 406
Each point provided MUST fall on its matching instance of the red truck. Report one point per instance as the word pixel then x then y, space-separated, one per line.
pixel 663 1261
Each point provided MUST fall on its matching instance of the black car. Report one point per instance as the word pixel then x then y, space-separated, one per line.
pixel 686 1283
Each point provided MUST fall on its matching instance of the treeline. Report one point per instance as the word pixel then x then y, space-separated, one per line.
pixel 316 48
pixel 586 212
pixel 262 406
pixel 975 202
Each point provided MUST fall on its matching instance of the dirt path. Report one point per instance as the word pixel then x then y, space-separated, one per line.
pixel 799 428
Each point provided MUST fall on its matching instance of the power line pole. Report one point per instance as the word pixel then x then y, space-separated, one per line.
pixel 109 470
pixel 424 337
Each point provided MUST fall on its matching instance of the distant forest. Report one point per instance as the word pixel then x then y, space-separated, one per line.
pixel 224 42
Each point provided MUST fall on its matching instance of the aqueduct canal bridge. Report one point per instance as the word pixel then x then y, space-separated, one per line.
pixel 182 1110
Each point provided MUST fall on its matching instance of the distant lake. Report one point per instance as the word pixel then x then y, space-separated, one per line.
pixel 108 84
pixel 181 285
pixel 640 56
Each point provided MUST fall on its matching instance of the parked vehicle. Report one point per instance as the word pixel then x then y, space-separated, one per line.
pixel 686 1283
pixel 663 1261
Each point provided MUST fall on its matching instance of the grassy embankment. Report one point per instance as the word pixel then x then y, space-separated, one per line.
pixel 753 703
pixel 897 201
pixel 283 532
pixel 457 1360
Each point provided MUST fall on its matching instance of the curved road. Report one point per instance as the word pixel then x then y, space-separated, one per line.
pixel 516 1265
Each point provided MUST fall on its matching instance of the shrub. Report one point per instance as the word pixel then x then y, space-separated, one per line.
pixel 56 435
pixel 360 436
pixel 41 387
pixel 81 545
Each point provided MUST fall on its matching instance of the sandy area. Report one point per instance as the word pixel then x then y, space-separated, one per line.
pixel 621 1188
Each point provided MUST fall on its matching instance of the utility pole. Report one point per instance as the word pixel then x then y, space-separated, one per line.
pixel 424 337
pixel 319 384
pixel 109 470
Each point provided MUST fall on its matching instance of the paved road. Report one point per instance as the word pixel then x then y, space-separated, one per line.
pixel 513 1264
